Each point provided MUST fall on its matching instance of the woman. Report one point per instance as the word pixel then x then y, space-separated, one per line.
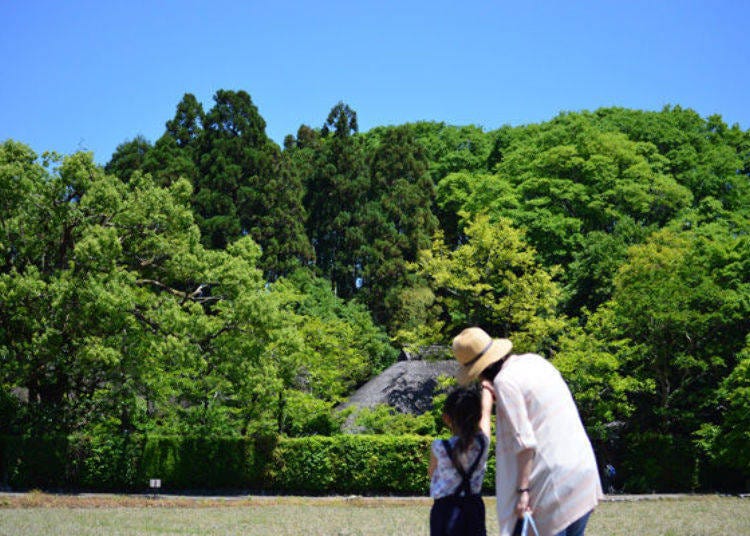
pixel 544 460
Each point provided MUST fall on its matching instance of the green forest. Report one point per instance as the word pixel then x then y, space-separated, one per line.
pixel 213 284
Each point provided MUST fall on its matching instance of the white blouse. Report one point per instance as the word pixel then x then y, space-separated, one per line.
pixel 536 410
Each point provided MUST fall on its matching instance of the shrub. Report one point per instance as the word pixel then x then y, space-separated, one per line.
pixel 104 462
pixel 27 462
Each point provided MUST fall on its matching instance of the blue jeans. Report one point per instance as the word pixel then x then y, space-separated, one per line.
pixel 576 528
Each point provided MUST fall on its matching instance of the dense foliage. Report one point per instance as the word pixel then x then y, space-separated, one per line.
pixel 215 283
pixel 115 318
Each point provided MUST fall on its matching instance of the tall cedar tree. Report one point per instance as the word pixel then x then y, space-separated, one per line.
pixel 128 158
pixel 176 153
pixel 334 193
pixel 397 219
pixel 236 162
pixel 186 127
pixel 280 228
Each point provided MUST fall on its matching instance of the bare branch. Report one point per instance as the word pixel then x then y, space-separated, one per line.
pixel 162 286
pixel 195 296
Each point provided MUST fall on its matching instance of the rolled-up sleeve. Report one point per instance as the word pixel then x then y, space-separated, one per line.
pixel 515 426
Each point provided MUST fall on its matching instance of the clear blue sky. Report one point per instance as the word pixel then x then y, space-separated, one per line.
pixel 92 74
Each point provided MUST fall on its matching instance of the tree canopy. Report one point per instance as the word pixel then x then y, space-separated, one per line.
pixel 212 282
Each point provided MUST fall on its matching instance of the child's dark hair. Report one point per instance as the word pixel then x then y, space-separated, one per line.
pixel 464 408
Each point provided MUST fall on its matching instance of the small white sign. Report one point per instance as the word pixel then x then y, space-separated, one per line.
pixel 155 482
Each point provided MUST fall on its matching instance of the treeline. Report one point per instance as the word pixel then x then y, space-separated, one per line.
pixel 213 283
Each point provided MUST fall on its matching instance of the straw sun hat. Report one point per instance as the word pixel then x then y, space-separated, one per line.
pixel 475 350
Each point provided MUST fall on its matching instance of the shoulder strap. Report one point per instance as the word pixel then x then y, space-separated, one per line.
pixel 482 445
pixel 449 451
pixel 465 486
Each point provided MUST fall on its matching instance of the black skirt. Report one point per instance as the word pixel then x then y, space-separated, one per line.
pixel 458 516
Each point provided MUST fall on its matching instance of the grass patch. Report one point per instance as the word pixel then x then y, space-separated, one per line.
pixel 42 514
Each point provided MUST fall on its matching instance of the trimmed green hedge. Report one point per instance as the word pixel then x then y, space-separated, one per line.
pixel 199 463
pixel 357 464
pixel 347 464
pixel 33 462
pixel 351 464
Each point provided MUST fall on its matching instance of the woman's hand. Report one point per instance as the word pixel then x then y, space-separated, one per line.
pixel 525 460
pixel 522 505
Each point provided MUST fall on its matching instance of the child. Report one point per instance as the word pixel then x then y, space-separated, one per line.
pixel 457 465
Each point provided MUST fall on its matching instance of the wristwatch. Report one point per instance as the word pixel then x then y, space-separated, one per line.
pixel 522 490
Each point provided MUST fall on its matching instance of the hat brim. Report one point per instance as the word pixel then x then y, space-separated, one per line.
pixel 499 349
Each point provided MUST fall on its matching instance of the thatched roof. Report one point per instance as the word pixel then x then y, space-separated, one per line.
pixel 408 386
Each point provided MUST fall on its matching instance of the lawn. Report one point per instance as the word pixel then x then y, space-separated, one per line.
pixel 42 514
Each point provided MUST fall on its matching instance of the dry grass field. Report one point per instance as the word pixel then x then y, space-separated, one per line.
pixel 43 515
